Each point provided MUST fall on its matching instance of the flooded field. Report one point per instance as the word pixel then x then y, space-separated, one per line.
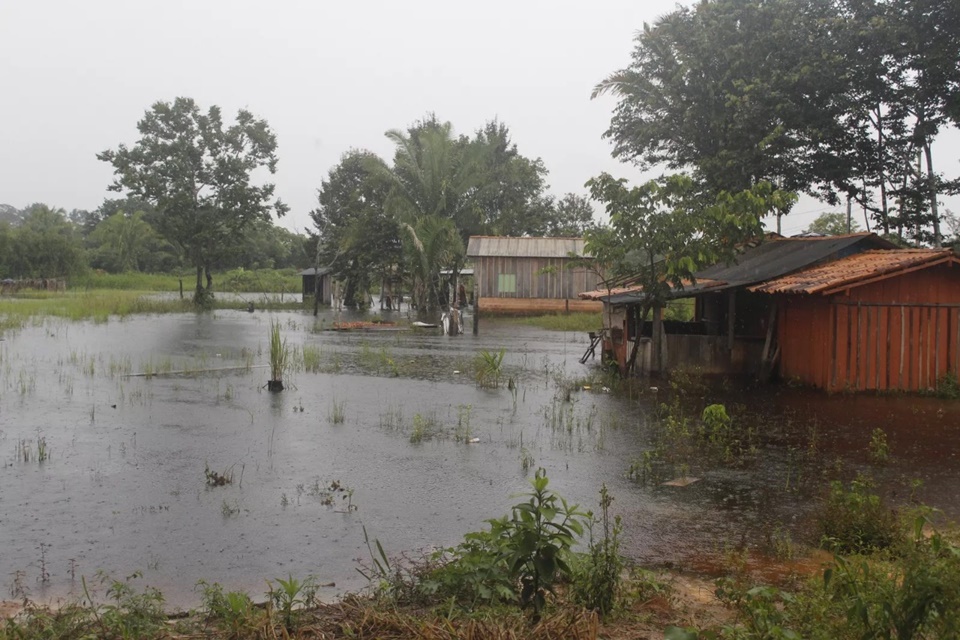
pixel 112 437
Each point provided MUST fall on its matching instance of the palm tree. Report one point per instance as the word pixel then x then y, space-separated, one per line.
pixel 434 179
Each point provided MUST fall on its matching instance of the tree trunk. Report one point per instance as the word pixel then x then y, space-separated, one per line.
pixel 932 191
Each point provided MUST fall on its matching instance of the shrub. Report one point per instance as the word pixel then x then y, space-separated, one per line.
pixel 597 576
pixel 855 520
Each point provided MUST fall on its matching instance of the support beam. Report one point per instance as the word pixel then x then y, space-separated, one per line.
pixel 731 316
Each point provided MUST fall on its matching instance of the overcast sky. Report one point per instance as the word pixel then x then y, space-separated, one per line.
pixel 327 76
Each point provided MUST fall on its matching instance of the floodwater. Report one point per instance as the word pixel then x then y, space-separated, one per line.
pixel 103 470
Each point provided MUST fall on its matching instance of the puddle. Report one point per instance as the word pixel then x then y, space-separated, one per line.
pixel 122 488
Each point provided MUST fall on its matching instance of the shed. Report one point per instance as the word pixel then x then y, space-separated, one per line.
pixel 878 320
pixel 310 276
pixel 731 328
pixel 530 275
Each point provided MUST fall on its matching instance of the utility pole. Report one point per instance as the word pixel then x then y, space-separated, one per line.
pixel 849 212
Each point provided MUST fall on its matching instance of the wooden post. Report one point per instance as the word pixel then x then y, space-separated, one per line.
pixel 766 361
pixel 657 338
pixel 731 316
pixel 476 315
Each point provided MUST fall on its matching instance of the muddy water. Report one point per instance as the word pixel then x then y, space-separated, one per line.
pixel 122 488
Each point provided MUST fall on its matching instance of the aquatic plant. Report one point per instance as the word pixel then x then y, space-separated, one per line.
pixel 462 432
pixel 488 366
pixel 279 357
pixel 526 459
pixel 879 448
pixel 215 479
pixel 338 412
pixel 312 358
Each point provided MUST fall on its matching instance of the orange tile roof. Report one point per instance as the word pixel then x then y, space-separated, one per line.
pixel 855 270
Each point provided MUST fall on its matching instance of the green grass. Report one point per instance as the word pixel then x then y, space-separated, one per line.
pixel 234 281
pixel 100 304
pixel 585 322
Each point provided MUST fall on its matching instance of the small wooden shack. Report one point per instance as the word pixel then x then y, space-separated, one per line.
pixel 879 320
pixel 310 276
pixel 530 275
pixel 843 312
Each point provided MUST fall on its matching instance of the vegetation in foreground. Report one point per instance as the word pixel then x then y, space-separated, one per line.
pixel 522 577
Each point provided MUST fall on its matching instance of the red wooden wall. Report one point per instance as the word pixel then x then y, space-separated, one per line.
pixel 899 333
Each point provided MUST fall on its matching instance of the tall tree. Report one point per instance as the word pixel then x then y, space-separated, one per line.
pixel 199 176
pixel 572 216
pixel 123 242
pixel 832 224
pixel 358 239
pixel 835 98
pixel 662 232
pixel 46 245
pixel 510 198
pixel 433 183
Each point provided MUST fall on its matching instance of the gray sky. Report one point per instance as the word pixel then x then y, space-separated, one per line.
pixel 327 76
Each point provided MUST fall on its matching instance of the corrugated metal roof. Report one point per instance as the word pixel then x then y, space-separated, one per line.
pixel 782 256
pixel 313 271
pixel 505 247
pixel 774 258
pixel 854 270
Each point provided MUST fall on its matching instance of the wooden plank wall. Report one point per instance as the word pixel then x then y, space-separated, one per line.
pixel 562 283
pixel 902 333
pixel 883 346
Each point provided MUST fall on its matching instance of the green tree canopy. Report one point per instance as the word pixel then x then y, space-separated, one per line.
pixel 831 98
pixel 45 245
pixel 832 224
pixel 199 176
pixel 358 239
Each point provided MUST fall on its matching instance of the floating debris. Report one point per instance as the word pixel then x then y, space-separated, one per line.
pixel 684 481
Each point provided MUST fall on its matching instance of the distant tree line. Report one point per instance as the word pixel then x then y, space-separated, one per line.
pixel 120 235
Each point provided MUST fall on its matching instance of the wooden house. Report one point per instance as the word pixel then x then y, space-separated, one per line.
pixel 878 320
pixel 530 275
pixel 310 276
pixel 842 312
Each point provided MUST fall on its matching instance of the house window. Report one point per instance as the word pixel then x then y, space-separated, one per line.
pixel 507 283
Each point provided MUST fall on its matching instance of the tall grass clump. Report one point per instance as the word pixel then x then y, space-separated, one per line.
pixel 312 358
pixel 489 367
pixel 279 357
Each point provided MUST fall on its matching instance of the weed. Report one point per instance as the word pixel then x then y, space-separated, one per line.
pixel 535 540
pixel 526 459
pixel 312 358
pixel 489 367
pixel 228 510
pixel 290 596
pixel 279 357
pixel 462 432
pixel 879 448
pixel 233 611
pixel 856 520
pixel 424 428
pixel 215 479
pixel 338 413
pixel 597 578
